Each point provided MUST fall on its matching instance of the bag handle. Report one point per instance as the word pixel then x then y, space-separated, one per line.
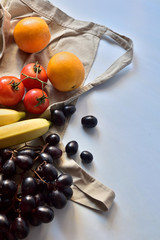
pixel 118 65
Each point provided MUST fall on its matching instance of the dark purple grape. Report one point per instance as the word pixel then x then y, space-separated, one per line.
pixel 20 228
pixel 67 191
pixel 54 152
pixel 64 180
pixel 53 139
pixel 71 148
pixel 24 162
pixel 45 157
pixel 9 168
pixel 57 117
pixel 56 199
pixel 89 121
pixel 6 153
pixel 9 188
pixel 39 199
pixel 86 157
pixel 49 172
pixel 28 186
pixel 34 220
pixel 44 214
pixel 4 223
pixel 29 152
pixel 68 110
pixel 27 204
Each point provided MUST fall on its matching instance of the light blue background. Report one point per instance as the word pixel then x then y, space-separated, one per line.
pixel 126 141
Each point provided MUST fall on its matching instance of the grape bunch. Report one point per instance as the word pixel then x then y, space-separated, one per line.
pixel 31 187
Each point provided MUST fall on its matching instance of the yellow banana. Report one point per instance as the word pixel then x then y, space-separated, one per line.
pixel 8 116
pixel 22 131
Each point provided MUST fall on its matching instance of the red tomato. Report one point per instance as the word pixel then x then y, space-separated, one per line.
pixel 36 101
pixel 30 70
pixel 11 92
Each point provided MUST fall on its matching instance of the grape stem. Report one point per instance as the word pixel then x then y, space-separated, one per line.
pixel 38 176
pixel 35 78
pixel 42 150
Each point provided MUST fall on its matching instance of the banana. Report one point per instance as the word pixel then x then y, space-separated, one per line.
pixel 8 116
pixel 22 131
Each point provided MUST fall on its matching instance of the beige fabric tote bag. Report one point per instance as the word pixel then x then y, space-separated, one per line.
pixel 68 34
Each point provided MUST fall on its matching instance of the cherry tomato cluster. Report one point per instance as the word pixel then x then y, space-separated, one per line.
pixel 33 78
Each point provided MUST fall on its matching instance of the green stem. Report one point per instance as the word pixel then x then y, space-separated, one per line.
pixel 35 78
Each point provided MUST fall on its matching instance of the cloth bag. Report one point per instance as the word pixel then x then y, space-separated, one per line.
pixel 67 34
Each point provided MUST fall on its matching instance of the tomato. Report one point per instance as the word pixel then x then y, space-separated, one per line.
pixel 31 70
pixel 11 90
pixel 36 101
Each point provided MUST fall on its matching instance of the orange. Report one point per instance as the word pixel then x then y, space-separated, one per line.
pixel 65 71
pixel 32 34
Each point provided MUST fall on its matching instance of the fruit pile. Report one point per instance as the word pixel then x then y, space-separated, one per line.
pixel 65 70
pixel 30 185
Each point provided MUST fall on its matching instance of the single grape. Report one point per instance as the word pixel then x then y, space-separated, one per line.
pixel 64 180
pixel 27 204
pixel 67 191
pixel 4 223
pixel 9 188
pixel 45 157
pixel 34 220
pixel 6 153
pixel 53 139
pixel 71 148
pixel 29 152
pixel 20 228
pixel 9 168
pixel 89 121
pixel 39 199
pixel 54 152
pixel 49 172
pixel 56 199
pixel 28 186
pixel 86 157
pixel 24 162
pixel 68 110
pixel 58 117
pixel 44 214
